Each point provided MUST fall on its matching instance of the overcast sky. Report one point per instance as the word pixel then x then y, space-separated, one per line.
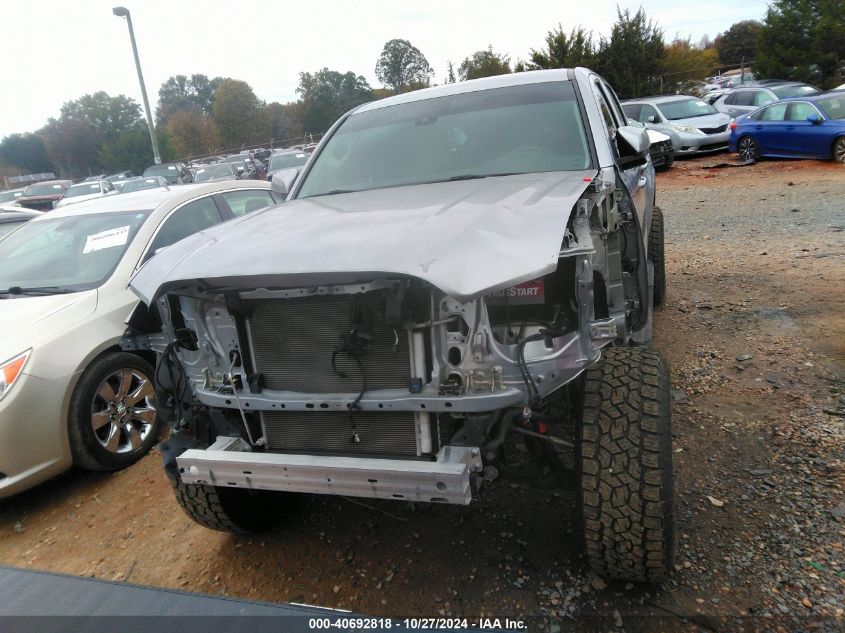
pixel 57 50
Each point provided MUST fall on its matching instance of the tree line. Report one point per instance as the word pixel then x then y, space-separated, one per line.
pixel 801 40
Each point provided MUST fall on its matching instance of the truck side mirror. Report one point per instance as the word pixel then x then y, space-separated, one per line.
pixel 633 144
pixel 283 181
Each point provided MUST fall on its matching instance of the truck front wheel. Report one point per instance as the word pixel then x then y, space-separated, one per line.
pixel 233 510
pixel 625 459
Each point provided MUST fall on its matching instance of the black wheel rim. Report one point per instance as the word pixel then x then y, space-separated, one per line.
pixel 747 149
pixel 839 150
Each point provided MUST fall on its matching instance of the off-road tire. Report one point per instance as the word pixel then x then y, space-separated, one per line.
pixel 86 451
pixel 233 510
pixel 625 459
pixel 656 255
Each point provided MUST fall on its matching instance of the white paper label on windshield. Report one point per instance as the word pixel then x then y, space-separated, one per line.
pixel 106 239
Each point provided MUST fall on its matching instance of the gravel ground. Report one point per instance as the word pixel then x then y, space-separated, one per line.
pixel 754 333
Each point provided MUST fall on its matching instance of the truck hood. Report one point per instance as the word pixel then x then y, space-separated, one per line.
pixel 30 321
pixel 466 238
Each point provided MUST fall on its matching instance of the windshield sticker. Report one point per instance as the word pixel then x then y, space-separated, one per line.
pixel 106 239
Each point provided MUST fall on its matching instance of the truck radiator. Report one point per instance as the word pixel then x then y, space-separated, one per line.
pixel 293 341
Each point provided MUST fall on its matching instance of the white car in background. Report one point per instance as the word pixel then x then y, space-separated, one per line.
pixel 86 190
pixel 68 394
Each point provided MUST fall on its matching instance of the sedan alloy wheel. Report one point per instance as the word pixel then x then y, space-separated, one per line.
pixel 123 411
pixel 839 149
pixel 747 148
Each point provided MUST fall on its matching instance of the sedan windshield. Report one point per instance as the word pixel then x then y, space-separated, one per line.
pixel 142 183
pixel 784 92
pixel 66 254
pixel 8 196
pixel 213 171
pixel 43 190
pixel 161 170
pixel 833 107
pixel 237 158
pixel 685 109
pixel 502 131
pixel 288 160
pixel 83 189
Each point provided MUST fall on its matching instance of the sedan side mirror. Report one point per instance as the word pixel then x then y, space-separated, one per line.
pixel 814 118
pixel 650 119
pixel 633 143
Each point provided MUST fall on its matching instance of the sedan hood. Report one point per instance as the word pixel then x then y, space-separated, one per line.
pixel 30 321
pixel 707 121
pixel 466 238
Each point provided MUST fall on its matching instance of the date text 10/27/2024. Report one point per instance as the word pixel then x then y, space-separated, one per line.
pixel 431 624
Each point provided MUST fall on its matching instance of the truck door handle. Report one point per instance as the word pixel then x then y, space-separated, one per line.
pixel 642 181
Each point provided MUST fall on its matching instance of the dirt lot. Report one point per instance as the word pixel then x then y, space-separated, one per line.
pixel 754 333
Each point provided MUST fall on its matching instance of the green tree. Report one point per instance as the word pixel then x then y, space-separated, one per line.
pixel 285 120
pixel 564 51
pixel 803 40
pixel 26 152
pixel 192 133
pixel 73 146
pixel 631 58
pixel 484 64
pixel 131 150
pixel 684 62
pixel 328 94
pixel 739 42
pixel 239 115
pixel 450 73
pixel 401 65
pixel 110 115
pixel 181 93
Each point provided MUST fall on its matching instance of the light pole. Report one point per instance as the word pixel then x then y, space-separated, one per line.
pixel 123 12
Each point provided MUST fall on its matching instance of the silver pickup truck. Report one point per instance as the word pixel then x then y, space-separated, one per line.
pixel 461 280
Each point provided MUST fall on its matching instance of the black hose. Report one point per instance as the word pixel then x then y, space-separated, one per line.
pixel 530 385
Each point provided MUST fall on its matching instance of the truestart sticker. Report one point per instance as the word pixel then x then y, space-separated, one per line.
pixel 106 239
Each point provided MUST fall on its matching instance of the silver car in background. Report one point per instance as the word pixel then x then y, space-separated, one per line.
pixel 68 395
pixel 284 160
pixel 748 98
pixel 695 126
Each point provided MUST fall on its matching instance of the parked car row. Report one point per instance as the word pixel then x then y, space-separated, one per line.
pixel 758 118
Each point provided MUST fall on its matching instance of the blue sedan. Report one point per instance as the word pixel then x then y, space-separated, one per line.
pixel 802 127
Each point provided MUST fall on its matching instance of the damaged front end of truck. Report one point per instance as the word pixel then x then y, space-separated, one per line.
pixel 360 376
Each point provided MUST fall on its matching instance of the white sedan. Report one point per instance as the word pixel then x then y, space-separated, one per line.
pixel 68 394
pixel 87 190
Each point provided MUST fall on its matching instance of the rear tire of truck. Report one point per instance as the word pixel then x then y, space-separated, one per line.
pixel 625 464
pixel 656 256
pixel 232 509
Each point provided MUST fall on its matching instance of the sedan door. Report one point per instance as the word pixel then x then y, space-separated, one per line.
pixel 802 137
pixel 770 128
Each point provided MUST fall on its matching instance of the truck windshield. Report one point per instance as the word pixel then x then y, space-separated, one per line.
pixel 501 131
pixel 66 254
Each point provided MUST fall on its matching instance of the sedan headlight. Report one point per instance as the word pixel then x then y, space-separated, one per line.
pixel 687 129
pixel 10 371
